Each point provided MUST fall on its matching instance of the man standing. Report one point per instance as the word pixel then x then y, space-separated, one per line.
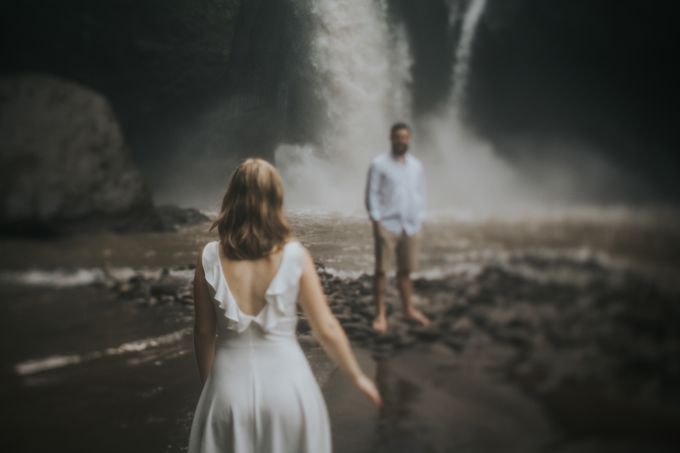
pixel 395 200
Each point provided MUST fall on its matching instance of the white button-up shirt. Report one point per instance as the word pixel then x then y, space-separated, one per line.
pixel 395 193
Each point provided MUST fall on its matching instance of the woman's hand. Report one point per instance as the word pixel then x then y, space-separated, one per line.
pixel 328 330
pixel 368 388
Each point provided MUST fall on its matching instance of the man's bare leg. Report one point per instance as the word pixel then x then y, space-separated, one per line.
pixel 405 289
pixel 380 321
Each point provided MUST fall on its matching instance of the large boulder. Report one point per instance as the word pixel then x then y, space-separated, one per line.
pixel 64 165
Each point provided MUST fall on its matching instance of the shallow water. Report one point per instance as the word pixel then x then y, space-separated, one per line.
pixel 84 367
pixel 424 413
pixel 645 241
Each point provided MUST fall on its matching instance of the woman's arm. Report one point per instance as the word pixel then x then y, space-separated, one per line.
pixel 204 322
pixel 329 331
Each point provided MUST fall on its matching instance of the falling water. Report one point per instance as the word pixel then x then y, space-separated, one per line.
pixel 465 172
pixel 464 50
pixel 362 67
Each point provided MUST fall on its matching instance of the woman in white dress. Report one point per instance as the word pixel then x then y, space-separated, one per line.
pixel 259 393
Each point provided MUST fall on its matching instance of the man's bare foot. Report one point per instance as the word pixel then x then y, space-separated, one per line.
pixel 416 315
pixel 380 323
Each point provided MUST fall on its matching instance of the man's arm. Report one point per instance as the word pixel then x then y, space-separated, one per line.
pixel 371 196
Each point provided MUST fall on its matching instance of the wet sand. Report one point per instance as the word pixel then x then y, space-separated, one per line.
pixel 536 345
pixel 514 364
pixel 428 406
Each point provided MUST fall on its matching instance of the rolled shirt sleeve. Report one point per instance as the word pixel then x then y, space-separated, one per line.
pixel 372 186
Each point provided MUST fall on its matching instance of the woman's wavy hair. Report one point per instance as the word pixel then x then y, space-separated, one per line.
pixel 251 223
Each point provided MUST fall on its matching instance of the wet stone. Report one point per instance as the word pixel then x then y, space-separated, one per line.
pixel 307 340
pixel 353 327
pixel 303 325
pixel 187 300
pixel 426 333
pixel 164 288
pixel 463 325
pixel 167 299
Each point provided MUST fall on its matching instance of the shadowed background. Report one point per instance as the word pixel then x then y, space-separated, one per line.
pixel 548 131
pixel 195 85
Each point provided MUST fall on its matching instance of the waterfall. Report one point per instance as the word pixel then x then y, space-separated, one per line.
pixel 361 64
pixel 352 54
pixel 464 50
pixel 362 68
pixel 464 171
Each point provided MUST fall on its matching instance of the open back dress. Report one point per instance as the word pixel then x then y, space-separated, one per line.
pixel 260 395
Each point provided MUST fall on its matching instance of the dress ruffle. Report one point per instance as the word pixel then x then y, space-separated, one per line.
pixel 277 294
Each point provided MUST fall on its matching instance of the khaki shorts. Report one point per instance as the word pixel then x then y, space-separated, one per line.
pixel 402 247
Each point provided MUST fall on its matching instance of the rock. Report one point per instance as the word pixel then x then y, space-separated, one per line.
pixel 382 351
pixel 478 341
pixel 125 289
pixel 168 287
pixel 404 339
pixel 343 318
pixel 366 287
pixel 184 292
pixel 357 317
pixel 167 299
pixel 473 290
pixel 134 288
pixel 426 333
pixel 186 300
pixel 454 342
pixel 359 336
pixel 365 310
pixel 352 327
pixel 173 216
pixel 442 351
pixel 139 301
pixel 516 336
pixel 307 341
pixel 514 315
pixel 64 164
pixel 303 325
pixel 387 337
pixel 463 325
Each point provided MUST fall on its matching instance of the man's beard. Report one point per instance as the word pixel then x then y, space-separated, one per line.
pixel 399 150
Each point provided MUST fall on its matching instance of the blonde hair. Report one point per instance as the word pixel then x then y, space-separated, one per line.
pixel 251 223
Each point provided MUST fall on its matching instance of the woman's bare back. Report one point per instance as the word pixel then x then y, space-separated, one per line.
pixel 248 280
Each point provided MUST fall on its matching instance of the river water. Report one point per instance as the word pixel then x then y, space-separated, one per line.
pixel 85 370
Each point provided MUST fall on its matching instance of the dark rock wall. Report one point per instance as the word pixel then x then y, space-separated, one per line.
pixel 199 79
pixel 157 61
pixel 581 72
pixel 64 165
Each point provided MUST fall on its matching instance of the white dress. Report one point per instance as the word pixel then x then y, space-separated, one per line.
pixel 260 395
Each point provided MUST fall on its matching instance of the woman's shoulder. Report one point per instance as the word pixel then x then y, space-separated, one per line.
pixel 294 243
pixel 295 248
pixel 207 250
